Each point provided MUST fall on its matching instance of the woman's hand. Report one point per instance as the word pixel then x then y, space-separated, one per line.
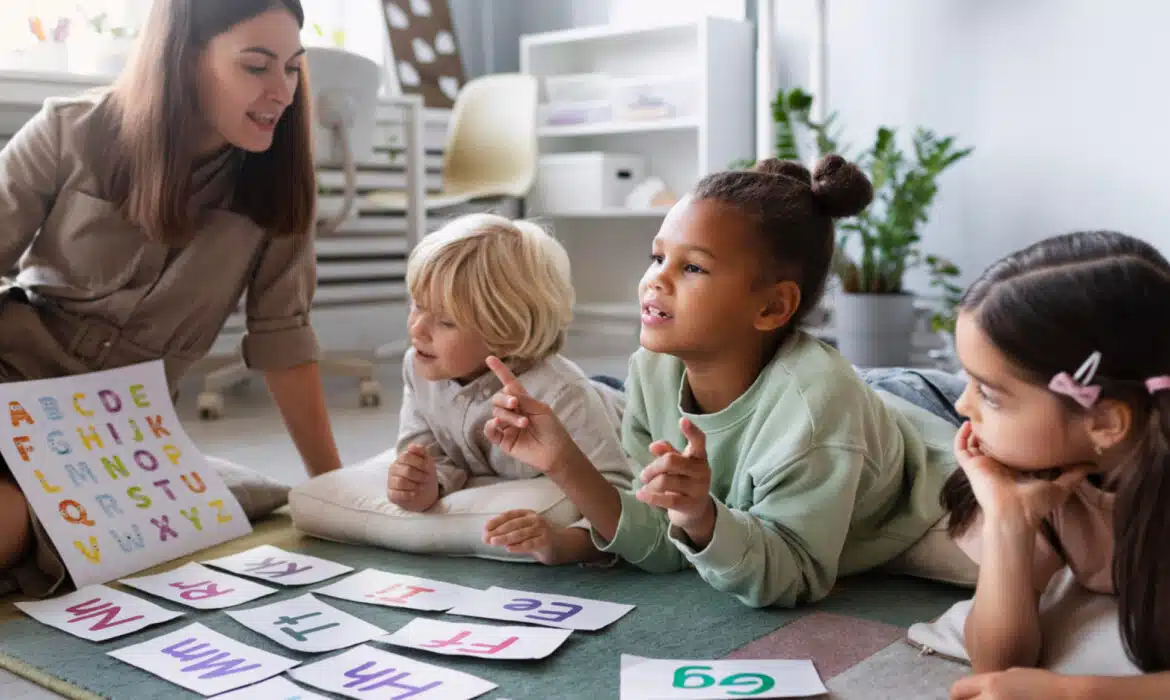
pixel 525 428
pixel 1009 495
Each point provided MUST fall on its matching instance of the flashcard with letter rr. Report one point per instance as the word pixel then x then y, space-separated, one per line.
pixel 199 587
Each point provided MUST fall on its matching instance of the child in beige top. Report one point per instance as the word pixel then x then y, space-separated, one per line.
pixel 1067 350
pixel 484 285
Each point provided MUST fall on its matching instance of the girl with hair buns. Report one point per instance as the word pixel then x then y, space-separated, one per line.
pixel 767 463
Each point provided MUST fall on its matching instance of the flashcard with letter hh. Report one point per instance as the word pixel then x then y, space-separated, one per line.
pixel 278 688
pixel 306 624
pixel 199 587
pixel 273 564
pixel 663 679
pixel 546 609
pixel 203 660
pixel 97 613
pixel 484 641
pixel 110 473
pixel 397 591
pixel 367 672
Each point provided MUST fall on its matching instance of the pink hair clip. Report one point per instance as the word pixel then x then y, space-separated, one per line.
pixel 1156 384
pixel 1077 387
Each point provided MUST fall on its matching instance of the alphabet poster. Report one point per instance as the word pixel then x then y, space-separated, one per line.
pixel 110 473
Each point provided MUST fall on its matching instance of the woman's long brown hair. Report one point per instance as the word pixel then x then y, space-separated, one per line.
pixel 1047 308
pixel 156 116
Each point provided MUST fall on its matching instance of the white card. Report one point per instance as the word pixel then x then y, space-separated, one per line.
pixel 664 679
pixel 203 660
pixel 541 609
pixel 367 672
pixel 274 564
pixel 397 591
pixel 97 613
pixel 107 468
pixel 306 624
pixel 199 587
pixel 484 641
pixel 278 688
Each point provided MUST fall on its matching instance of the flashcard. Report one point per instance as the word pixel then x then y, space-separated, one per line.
pixel 546 609
pixel 107 467
pixel 663 679
pixel 104 613
pixel 306 624
pixel 398 591
pixel 470 639
pixel 278 688
pixel 273 564
pixel 367 672
pixel 199 587
pixel 203 660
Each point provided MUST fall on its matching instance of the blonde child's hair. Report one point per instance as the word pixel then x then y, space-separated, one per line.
pixel 509 281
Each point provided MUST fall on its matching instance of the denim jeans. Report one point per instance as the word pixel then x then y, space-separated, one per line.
pixel 932 389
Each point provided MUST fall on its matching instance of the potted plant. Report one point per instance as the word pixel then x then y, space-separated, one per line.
pixel 874 315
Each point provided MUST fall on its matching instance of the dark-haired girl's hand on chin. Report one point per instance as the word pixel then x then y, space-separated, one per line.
pixel 1008 496
pixel 680 483
pixel 524 428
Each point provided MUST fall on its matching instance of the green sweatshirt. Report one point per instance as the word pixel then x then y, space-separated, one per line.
pixel 814 475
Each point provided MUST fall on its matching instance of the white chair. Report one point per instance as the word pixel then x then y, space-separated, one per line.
pixel 344 89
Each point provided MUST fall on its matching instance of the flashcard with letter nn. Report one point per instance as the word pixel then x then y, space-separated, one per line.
pixel 366 672
pixel 484 641
pixel 106 466
pixel 273 564
pixel 397 591
pixel 203 660
pixel 307 624
pixel 667 679
pixel 97 613
pixel 197 586
pixel 541 609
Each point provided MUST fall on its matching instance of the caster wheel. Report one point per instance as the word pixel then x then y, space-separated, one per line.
pixel 210 406
pixel 371 393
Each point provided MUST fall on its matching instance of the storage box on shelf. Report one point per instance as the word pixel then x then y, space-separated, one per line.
pixel 583 182
pixel 678 95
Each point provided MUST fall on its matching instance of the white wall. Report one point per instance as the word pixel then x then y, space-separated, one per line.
pixel 1061 99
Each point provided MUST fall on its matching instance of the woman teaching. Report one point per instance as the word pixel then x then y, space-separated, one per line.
pixel 137 217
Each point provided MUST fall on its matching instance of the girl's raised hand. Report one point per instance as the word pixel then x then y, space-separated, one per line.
pixel 524 428
pixel 1007 495
pixel 680 483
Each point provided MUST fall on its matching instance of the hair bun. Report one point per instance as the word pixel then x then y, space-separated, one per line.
pixel 840 188
pixel 788 168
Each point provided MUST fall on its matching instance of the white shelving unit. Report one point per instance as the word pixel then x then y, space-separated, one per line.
pixel 712 128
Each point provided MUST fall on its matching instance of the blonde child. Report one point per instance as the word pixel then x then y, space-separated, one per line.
pixel 1065 458
pixel 483 285
pixel 769 465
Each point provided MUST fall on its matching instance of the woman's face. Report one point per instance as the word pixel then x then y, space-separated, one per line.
pixel 247 77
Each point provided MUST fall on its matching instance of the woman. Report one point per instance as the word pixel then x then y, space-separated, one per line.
pixel 140 215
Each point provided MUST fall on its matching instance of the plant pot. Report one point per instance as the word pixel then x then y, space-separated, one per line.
pixel 875 330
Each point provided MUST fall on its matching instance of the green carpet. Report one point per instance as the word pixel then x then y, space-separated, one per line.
pixel 677 616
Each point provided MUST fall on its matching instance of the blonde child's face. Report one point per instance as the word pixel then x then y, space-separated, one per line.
pixel 443 350
pixel 698 296
pixel 1017 423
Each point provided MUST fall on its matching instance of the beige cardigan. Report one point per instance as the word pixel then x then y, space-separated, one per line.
pixel 449 419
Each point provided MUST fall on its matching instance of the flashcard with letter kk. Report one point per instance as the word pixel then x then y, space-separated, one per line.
pixel 547 609
pixel 97 613
pixel 273 564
